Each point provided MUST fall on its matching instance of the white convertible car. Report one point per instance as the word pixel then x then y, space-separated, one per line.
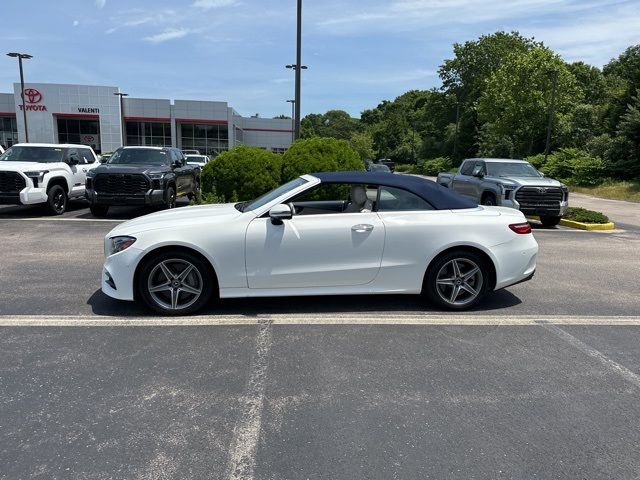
pixel 339 233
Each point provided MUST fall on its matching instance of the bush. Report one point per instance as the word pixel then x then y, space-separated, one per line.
pixel 407 168
pixel 576 167
pixel 585 216
pixel 536 160
pixel 242 173
pixel 319 155
pixel 436 165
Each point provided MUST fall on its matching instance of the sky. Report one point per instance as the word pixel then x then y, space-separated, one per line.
pixel 359 52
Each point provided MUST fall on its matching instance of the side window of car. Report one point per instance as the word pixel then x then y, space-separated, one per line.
pixel 86 157
pixel 72 152
pixel 467 168
pixel 329 198
pixel 396 200
pixel 478 169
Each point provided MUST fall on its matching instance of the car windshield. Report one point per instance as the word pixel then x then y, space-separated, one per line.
pixel 272 195
pixel 515 169
pixel 33 154
pixel 139 156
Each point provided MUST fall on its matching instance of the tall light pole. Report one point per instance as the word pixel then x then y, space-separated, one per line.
pixel 293 121
pixel 124 130
pixel 455 139
pixel 21 56
pixel 552 107
pixel 298 67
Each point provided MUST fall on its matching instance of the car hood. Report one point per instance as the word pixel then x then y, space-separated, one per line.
pixel 130 169
pixel 30 166
pixel 530 181
pixel 178 218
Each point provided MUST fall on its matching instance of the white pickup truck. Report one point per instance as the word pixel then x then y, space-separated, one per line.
pixel 47 174
pixel 510 183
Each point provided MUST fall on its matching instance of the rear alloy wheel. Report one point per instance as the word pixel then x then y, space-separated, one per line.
pixel 550 221
pixel 176 283
pixel 171 198
pixel 457 280
pixel 99 210
pixel 56 200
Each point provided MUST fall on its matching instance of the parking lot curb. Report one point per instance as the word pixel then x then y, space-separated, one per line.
pixel 582 226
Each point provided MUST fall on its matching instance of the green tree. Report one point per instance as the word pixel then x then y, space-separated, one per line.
pixel 319 155
pixel 335 123
pixel 242 173
pixel 362 144
pixel 515 102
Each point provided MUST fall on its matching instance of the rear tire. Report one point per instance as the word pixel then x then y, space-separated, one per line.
pixel 457 280
pixel 56 200
pixel 179 283
pixel 99 210
pixel 550 221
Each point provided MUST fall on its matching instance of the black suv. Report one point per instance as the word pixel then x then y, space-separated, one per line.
pixel 141 176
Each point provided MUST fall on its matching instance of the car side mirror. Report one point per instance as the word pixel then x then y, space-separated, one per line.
pixel 280 212
pixel 176 164
pixel 73 160
pixel 478 173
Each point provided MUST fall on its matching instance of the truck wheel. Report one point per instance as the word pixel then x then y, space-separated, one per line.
pixel 56 200
pixel 550 221
pixel 196 192
pixel 170 197
pixel 457 280
pixel 489 199
pixel 99 210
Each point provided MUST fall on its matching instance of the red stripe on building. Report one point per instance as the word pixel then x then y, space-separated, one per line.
pixel 149 119
pixel 77 115
pixel 266 130
pixel 199 120
pixel 7 114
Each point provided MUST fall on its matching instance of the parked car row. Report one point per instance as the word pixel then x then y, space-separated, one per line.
pixel 52 175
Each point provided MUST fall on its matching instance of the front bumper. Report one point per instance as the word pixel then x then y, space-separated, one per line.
pixel 540 210
pixel 26 196
pixel 150 197
pixel 118 274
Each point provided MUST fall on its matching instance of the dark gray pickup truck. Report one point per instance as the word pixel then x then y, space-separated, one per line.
pixel 141 176
pixel 510 183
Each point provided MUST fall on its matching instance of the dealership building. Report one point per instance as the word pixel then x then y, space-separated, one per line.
pixel 93 115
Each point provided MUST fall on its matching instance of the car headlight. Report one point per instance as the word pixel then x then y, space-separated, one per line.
pixel 118 244
pixel 37 176
pixel 156 176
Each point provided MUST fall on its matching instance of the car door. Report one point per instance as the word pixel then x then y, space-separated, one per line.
pixel 179 171
pixel 78 171
pixel 463 181
pixel 475 185
pixel 315 250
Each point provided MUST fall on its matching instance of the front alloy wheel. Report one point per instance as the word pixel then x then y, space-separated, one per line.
pixel 175 284
pixel 56 200
pixel 457 281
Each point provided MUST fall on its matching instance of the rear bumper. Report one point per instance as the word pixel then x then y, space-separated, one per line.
pixel 515 261
pixel 150 197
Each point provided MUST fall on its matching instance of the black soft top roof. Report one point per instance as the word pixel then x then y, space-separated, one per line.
pixel 440 197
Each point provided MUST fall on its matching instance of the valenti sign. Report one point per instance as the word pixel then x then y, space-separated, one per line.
pixel 32 99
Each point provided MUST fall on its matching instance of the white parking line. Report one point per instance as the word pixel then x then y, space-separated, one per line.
pixel 367 318
pixel 611 365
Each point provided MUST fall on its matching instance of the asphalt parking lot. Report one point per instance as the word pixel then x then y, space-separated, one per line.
pixel 542 381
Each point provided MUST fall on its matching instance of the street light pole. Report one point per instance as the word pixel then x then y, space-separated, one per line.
pixel 455 139
pixel 298 67
pixel 293 116
pixel 124 130
pixel 20 56
pixel 552 106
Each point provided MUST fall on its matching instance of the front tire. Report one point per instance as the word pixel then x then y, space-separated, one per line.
pixel 56 200
pixel 177 283
pixel 170 199
pixel 550 221
pixel 99 210
pixel 457 280
pixel 489 199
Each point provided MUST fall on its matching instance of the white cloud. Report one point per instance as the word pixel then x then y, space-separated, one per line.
pixel 167 35
pixel 101 3
pixel 209 4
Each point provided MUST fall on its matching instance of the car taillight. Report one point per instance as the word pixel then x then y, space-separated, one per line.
pixel 521 228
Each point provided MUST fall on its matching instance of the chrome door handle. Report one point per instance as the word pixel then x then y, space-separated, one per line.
pixel 362 228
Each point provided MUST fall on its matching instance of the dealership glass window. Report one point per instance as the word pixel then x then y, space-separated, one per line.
pixel 8 131
pixel 157 134
pixel 208 139
pixel 78 130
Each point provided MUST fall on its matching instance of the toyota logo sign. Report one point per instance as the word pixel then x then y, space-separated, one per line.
pixel 89 138
pixel 542 190
pixel 31 95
